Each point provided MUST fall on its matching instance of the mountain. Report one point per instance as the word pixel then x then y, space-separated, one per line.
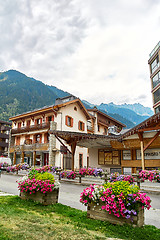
pixel 123 114
pixel 19 93
pixel 137 108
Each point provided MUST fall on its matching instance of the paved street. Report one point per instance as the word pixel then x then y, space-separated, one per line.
pixel 70 194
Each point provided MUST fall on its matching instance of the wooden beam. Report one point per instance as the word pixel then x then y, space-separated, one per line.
pixel 149 129
pixel 63 144
pixel 22 156
pixel 140 135
pixel 14 158
pixel 152 140
pixel 34 158
pixel 142 156
pixel 73 149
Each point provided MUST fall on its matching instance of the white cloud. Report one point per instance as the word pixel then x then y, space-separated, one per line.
pixel 97 50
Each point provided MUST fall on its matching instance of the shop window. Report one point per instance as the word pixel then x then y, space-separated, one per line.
pixel 81 126
pixel 108 157
pixel 69 121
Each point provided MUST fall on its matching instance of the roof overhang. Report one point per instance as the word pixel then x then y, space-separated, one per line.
pixel 84 139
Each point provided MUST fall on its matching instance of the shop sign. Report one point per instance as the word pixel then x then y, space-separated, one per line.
pixel 149 154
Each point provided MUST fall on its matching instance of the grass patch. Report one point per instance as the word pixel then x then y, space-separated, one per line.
pixel 20 219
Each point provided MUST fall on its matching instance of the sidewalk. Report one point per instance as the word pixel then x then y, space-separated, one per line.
pixel 147 186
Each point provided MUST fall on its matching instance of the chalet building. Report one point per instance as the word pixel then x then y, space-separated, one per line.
pixel 31 142
pixel 50 135
pixel 154 66
pixel 4 137
pixel 102 123
pixel 138 148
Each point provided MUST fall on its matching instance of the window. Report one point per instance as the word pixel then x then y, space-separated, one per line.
pixel 38 138
pixel 156 79
pixel 80 161
pixel 157 109
pixel 38 121
pixel 98 128
pixel 28 123
pixel 108 157
pixel 69 121
pixel 105 130
pixel 157 96
pixel 155 64
pixel 81 126
pixel 49 118
pixel 75 108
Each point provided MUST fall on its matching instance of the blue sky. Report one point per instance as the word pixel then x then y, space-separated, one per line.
pixel 97 50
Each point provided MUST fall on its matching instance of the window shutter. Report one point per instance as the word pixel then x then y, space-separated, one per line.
pixel 46 119
pixel 71 122
pixel 83 126
pixel 53 118
pixel 67 120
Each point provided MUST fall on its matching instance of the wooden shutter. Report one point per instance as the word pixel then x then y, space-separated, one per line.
pixel 71 122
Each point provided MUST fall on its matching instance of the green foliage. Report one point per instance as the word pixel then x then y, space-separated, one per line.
pixel 19 93
pixel 122 186
pixel 21 220
pixel 32 173
pixel 45 176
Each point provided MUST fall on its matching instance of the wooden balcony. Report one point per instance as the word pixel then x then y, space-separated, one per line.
pixel 31 128
pixel 30 147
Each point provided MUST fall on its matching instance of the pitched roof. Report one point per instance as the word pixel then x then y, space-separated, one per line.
pixel 104 114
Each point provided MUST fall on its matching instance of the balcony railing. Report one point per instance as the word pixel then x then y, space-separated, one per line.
pixel 31 128
pixel 31 147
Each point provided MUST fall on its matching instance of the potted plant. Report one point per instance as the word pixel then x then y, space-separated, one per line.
pixel 40 187
pixel 117 202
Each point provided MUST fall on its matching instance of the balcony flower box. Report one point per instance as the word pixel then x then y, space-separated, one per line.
pixel 40 187
pixel 117 202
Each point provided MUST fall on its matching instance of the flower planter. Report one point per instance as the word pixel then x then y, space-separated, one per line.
pixel 44 198
pixel 95 212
